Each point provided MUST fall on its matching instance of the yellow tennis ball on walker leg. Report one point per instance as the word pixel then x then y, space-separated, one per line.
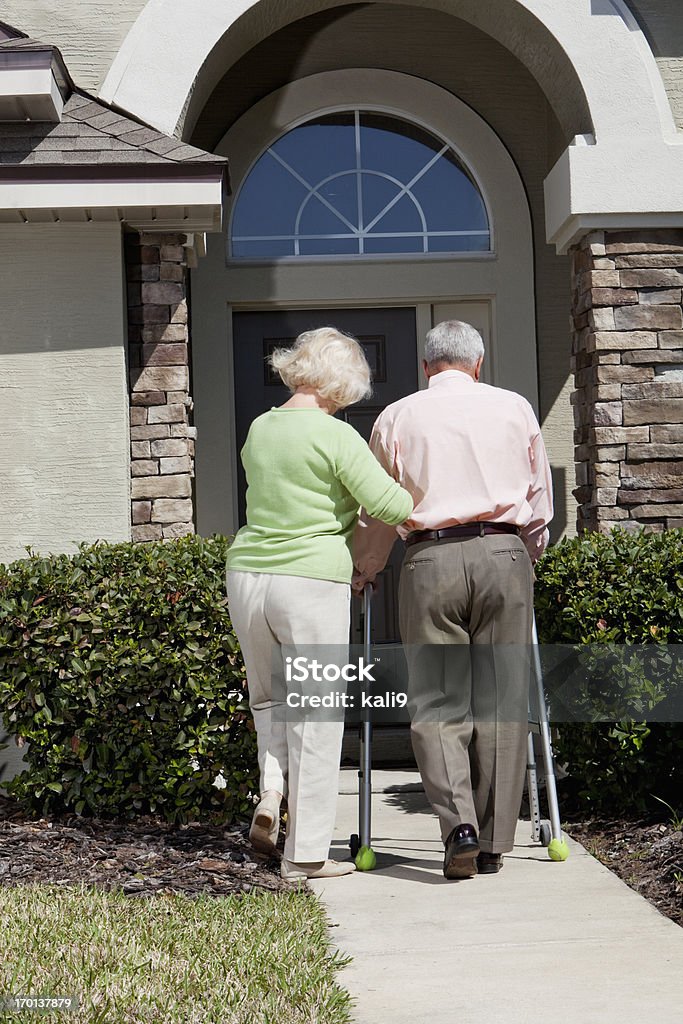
pixel 558 849
pixel 365 859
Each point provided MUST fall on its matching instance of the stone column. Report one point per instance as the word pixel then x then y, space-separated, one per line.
pixel 628 371
pixel 162 438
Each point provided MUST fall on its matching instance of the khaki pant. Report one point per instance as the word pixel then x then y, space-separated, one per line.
pixel 466 609
pixel 298 755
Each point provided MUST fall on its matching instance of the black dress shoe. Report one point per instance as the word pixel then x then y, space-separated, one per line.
pixel 489 863
pixel 462 847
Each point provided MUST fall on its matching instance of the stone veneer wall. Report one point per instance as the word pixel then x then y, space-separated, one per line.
pixel 628 371
pixel 162 439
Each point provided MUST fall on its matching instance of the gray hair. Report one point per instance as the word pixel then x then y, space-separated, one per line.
pixel 454 342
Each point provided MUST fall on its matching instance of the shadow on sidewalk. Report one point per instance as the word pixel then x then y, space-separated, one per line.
pixel 407 799
pixel 390 865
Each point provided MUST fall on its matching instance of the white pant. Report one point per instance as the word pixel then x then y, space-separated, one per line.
pixel 299 758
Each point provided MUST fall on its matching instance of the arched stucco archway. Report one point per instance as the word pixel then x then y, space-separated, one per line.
pixel 590 58
pixel 173 55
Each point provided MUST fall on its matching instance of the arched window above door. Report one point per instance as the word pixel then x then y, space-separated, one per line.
pixel 358 183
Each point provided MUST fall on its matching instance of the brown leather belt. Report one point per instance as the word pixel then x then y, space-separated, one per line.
pixel 466 530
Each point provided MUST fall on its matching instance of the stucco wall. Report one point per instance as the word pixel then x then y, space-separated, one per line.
pixel 671 70
pixel 64 463
pixel 88 32
pixel 11 759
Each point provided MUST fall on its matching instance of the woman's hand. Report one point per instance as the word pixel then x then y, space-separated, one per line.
pixel 358 583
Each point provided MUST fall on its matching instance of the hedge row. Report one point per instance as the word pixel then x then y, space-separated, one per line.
pixel 621 588
pixel 118 665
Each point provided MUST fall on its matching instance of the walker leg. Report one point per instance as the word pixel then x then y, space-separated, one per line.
pixel 557 848
pixel 365 785
pixel 365 858
pixel 532 789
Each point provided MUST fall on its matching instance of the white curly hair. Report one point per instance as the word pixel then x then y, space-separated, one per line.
pixel 327 360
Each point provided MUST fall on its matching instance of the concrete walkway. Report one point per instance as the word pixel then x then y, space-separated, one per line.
pixel 537 943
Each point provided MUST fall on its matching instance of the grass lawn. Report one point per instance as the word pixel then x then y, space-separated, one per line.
pixel 258 958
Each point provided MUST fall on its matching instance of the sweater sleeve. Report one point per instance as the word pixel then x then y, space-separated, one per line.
pixel 370 485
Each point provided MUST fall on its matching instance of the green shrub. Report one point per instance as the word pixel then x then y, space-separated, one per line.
pixel 621 588
pixel 119 667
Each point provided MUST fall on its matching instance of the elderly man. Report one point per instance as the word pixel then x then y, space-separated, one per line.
pixel 473 459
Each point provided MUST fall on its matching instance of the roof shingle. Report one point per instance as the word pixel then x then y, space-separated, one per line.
pixel 91 132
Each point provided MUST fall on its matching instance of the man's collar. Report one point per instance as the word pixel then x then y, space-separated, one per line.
pixel 444 376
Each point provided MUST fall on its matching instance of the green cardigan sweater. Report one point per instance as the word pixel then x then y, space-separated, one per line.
pixel 307 475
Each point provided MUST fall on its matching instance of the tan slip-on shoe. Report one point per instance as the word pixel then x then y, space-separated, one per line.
pixel 293 872
pixel 265 824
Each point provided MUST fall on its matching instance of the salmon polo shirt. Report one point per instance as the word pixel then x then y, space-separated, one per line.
pixel 466 452
pixel 307 475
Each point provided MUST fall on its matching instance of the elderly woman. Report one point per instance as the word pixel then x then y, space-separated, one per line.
pixel 288 577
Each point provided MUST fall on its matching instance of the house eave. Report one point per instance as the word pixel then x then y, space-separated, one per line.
pixel 169 198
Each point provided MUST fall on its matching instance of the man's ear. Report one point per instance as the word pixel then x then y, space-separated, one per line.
pixel 477 367
pixel 425 368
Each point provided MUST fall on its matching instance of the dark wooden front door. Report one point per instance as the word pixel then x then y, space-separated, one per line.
pixel 388 337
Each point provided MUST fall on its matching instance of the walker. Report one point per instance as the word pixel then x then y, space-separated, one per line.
pixel 547 832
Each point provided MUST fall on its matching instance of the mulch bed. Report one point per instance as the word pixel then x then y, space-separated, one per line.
pixel 144 857
pixel 148 856
pixel 647 855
